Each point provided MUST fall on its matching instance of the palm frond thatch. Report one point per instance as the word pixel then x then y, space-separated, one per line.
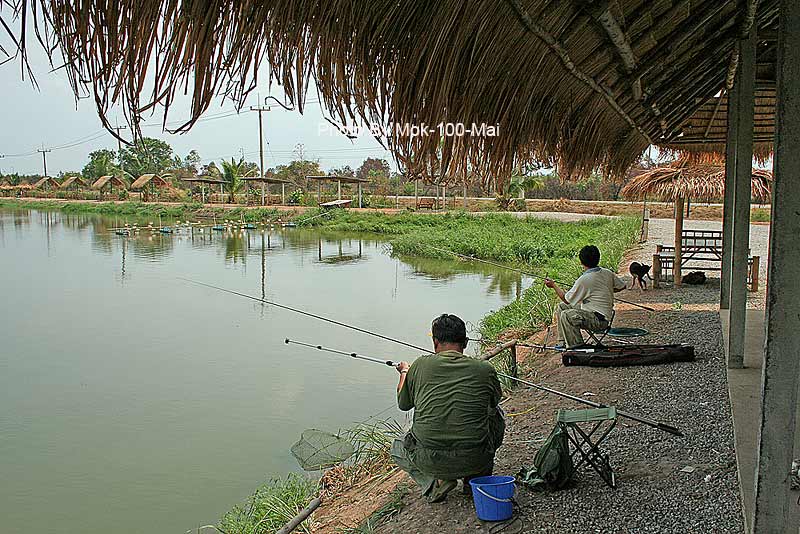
pixel 696 181
pixel 75 180
pixel 104 180
pixel 555 78
pixel 151 179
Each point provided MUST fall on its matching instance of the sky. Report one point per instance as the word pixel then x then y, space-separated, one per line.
pixel 49 116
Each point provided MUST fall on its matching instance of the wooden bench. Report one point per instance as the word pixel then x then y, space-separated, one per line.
pixel 336 204
pixel 699 246
pixel 426 203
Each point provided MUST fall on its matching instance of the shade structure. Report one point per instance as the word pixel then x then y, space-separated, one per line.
pixel 690 181
pixel 148 179
pixel 584 84
pixel 682 180
pixel 203 181
pixel 45 183
pixel 339 180
pixel 73 181
pixel 101 182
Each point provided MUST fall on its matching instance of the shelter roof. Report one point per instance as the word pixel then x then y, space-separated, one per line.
pixel 45 180
pixel 145 179
pixel 266 180
pixel 103 180
pixel 203 180
pixel 75 179
pixel 583 83
pixel 343 179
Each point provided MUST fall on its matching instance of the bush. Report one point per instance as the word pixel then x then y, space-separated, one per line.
pixel 296 197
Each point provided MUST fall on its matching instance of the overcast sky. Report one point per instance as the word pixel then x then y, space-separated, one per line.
pixel 50 116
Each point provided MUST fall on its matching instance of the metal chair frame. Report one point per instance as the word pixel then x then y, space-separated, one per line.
pixel 584 442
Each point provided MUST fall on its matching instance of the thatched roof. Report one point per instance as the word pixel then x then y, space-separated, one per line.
pixel 152 179
pixel 115 182
pixel 587 84
pixel 76 180
pixel 45 181
pixel 705 130
pixel 696 181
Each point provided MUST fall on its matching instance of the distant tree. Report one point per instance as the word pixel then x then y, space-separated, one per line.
pixel 101 163
pixel 297 170
pixel 342 171
pixel 233 173
pixel 147 156
pixel 191 162
pixel 381 166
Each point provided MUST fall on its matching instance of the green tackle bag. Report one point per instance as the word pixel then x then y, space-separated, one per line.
pixel 552 466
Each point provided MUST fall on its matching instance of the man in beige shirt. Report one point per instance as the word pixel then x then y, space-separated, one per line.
pixel 589 304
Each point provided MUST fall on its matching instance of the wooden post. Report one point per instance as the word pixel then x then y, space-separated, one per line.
pixel 319 191
pixel 416 194
pixel 339 189
pixel 676 263
pixel 359 194
pixel 283 193
pixel 754 273
pixel 465 194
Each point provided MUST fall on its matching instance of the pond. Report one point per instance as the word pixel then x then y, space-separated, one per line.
pixel 134 401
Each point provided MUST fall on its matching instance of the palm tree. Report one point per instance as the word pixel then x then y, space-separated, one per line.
pixel 233 173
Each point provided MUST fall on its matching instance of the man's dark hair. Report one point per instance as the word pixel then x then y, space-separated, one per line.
pixel 449 329
pixel 589 256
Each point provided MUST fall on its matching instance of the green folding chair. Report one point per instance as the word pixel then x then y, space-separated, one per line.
pixel 586 431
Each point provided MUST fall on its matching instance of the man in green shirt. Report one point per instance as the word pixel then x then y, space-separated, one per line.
pixel 458 424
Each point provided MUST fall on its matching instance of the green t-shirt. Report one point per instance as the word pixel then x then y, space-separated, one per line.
pixel 454 397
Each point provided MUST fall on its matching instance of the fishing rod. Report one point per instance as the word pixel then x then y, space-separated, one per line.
pixel 390 363
pixel 303 312
pixel 662 426
pixel 526 273
pixel 650 422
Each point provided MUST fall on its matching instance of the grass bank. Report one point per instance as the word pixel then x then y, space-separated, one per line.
pixel 540 246
pixel 149 210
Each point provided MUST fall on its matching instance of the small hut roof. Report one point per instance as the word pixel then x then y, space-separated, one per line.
pixel 203 180
pixel 145 179
pixel 73 180
pixel 699 181
pixel 266 180
pixel 103 180
pixel 343 179
pixel 44 181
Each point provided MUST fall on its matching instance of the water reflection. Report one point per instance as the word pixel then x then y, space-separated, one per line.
pixel 236 245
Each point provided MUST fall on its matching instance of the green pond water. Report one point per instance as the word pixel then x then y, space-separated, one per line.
pixel 134 402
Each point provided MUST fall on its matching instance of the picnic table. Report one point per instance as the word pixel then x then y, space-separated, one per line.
pixel 699 249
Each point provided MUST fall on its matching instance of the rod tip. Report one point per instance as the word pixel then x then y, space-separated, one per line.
pixel 286 340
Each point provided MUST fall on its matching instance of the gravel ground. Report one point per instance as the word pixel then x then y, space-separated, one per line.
pixel 665 484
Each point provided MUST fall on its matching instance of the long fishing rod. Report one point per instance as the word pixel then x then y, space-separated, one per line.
pixel 656 424
pixel 355 355
pixel 303 312
pixel 526 273
pixel 662 426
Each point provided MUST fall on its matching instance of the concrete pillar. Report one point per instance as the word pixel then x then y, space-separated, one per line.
pixel 416 193
pixel 727 203
pixel 465 194
pixel 359 194
pixel 781 373
pixel 676 264
pixel 283 193
pixel 741 201
pixel 339 189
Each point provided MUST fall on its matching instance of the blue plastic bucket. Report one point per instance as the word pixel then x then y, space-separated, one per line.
pixel 493 497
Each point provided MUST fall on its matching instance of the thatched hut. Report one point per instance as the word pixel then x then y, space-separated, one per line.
pixel 108 183
pixel 680 181
pixel 149 184
pixel 73 183
pixel 46 183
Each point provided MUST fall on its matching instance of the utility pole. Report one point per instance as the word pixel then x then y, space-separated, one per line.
pixel 44 152
pixel 118 128
pixel 260 110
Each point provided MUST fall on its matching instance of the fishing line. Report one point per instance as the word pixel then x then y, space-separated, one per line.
pixel 656 424
pixel 526 273
pixel 308 314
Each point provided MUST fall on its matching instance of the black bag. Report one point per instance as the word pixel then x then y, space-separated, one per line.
pixel 695 278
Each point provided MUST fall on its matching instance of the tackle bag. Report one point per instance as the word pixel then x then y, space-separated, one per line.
pixel 552 466
pixel 600 356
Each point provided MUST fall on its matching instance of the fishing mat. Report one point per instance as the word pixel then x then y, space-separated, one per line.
pixel 602 356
